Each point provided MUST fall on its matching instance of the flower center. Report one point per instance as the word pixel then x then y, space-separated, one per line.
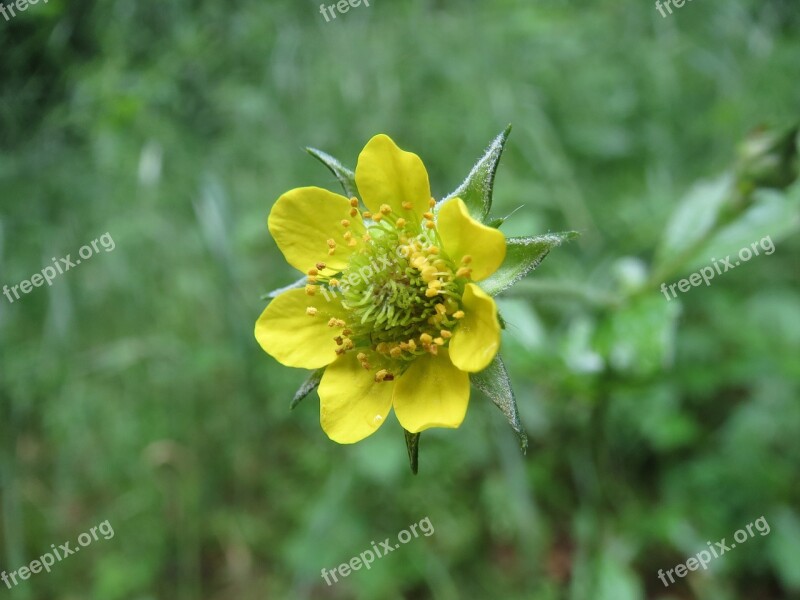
pixel 401 291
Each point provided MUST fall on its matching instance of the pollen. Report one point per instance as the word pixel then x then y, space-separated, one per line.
pixel 430 224
pixel 425 339
pixel 354 202
pixel 401 222
pixel 366 214
pixel 353 212
pixel 386 209
pixel 383 375
pixel 445 334
pixel 441 309
pixel 428 215
pixel 396 352
pixel 311 311
pixel 345 223
pixel 338 339
pixel 466 259
pixel 321 265
pixel 311 290
pixel 431 292
pixel 438 341
pixel 464 272
pixel 333 282
pixel 312 272
pixel 407 205
pixel 459 314
pixel 432 202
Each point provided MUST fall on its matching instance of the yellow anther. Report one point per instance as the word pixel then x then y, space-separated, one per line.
pixel 366 365
pixel 333 282
pixel 425 339
pixel 433 250
pixel 340 323
pixel 459 314
pixel 386 209
pixel 312 279
pixel 428 215
pixel 331 251
pixel 340 351
pixel 377 218
pixel 466 259
pixel 311 311
pixel 332 322
pixel 348 344
pixel 438 341
pixel 464 272
pixel 345 223
pixel 435 284
pixel 338 339
pixel 311 290
pixel 361 357
pixel 321 265
pixel 428 273
pixel 446 334
pixel 331 243
pixel 353 201
pixel 440 264
pixel 440 308
pixel 312 272
pixel 366 237
pixel 407 205
pixel 401 222
pixel 432 202
pixel 353 212
pixel 433 349
pixel 430 224
pixel 396 352
pixel 431 292
pixel 383 375
pixel 383 348
pixel 412 345
pixel 366 214
pixel 348 235
pixel 347 332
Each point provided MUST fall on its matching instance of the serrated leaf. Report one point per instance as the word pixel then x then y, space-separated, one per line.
pixel 309 385
pixel 345 176
pixel 495 383
pixel 292 286
pixel 412 445
pixel 477 189
pixel 523 255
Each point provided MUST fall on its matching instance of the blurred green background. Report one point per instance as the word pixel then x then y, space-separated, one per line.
pixel 132 390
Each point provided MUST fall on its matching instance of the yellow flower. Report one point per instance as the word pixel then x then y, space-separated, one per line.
pixel 391 306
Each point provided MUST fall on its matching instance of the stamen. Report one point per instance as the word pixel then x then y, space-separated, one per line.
pixel 407 205
pixel 466 259
pixel 430 224
pixel 321 265
pixel 400 223
pixel 366 214
pixel 459 314
pixel 386 209
pixel 464 272
pixel 311 290
pixel 446 334
pixel 428 215
pixel 354 202
pixel 354 212
pixel 311 311
pixel 432 202
pixel 345 223
pixel 312 272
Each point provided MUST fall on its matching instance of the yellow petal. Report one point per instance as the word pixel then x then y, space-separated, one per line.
pixel 464 236
pixel 352 404
pixel 304 219
pixel 385 174
pixel 476 339
pixel 293 337
pixel 431 393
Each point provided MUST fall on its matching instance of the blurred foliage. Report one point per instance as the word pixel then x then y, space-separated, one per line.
pixel 132 389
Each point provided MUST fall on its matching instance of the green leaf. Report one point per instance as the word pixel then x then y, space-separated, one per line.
pixel 309 385
pixel 523 255
pixel 495 383
pixel 697 213
pixel 345 176
pixel 292 286
pixel 412 444
pixel 476 190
